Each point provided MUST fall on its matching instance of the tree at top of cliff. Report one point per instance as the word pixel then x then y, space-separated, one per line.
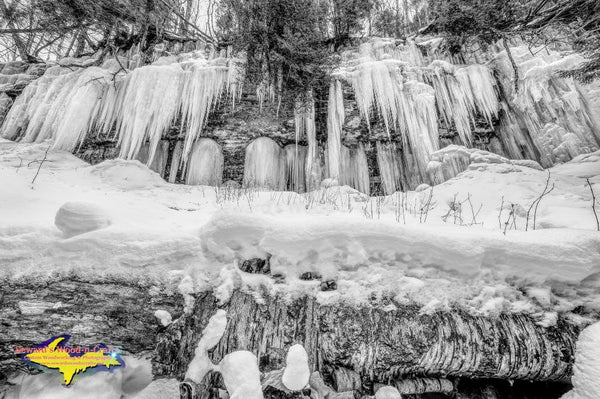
pixel 289 41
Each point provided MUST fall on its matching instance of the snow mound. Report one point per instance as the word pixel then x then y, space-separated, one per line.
pixel 158 389
pixel 126 175
pixel 455 159
pixel 586 377
pixel 241 375
pixel 74 218
pixel 387 392
pixel 296 373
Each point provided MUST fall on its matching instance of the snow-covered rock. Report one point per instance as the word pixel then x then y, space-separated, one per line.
pixel 74 218
pixel 296 374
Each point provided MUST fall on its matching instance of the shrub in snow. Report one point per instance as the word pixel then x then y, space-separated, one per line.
pixel 387 392
pixel 586 373
pixel 74 218
pixel 296 373
pixel 327 183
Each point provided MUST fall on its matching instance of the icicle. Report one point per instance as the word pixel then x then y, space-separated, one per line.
pixel 160 159
pixel 202 88
pixel 82 108
pixel 389 167
pixel 335 121
pixel 360 168
pixel 206 164
pixel 295 161
pixel 151 102
pixel 304 117
pixel 175 162
pixel 555 112
pixel 480 83
pixel 264 165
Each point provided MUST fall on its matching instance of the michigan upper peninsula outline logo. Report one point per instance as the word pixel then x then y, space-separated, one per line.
pixel 70 361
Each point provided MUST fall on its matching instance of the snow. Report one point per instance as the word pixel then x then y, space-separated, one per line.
pixel 373 247
pixel 387 392
pixel 74 218
pixel 133 381
pixel 241 375
pixel 239 369
pixel 296 373
pixel 212 333
pixel 164 317
pixel 586 372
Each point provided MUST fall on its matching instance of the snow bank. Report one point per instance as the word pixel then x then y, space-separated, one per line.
pixel 297 244
pixel 586 378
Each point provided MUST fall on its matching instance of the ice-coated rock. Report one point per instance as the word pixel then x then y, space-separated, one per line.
pixel 74 218
pixel 297 373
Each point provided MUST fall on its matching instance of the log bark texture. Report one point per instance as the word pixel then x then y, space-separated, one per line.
pixel 111 312
pixel 380 345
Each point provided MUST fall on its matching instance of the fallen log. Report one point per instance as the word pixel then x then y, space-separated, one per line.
pixel 381 346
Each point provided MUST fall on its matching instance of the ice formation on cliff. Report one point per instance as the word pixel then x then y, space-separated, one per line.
pixel 295 166
pixel 557 113
pixel 141 104
pixel 416 93
pixel 265 164
pixel 206 164
pixel 335 120
pixel 304 121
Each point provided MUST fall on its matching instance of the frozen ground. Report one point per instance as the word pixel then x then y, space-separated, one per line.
pixel 416 247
